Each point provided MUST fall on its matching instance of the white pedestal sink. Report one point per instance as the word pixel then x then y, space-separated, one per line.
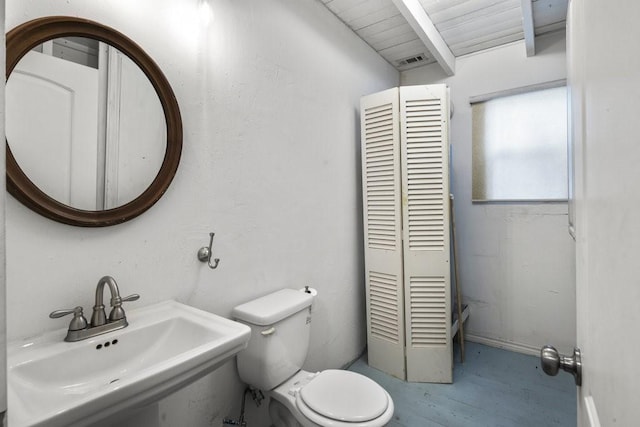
pixel 166 346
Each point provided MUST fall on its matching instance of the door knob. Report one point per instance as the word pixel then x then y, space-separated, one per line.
pixel 552 362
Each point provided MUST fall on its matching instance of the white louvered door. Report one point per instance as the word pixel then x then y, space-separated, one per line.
pixel 405 176
pixel 380 123
pixel 424 115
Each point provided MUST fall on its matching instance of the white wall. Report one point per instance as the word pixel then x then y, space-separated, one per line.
pixel 269 93
pixel 3 336
pixel 517 266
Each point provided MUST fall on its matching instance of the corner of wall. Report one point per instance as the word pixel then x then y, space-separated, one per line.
pixel 3 269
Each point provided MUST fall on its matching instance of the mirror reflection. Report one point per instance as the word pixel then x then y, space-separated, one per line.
pixel 84 123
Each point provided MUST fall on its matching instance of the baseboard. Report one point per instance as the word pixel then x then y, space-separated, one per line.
pixel 346 365
pixel 511 346
pixel 491 342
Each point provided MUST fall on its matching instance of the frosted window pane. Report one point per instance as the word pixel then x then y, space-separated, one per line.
pixel 520 147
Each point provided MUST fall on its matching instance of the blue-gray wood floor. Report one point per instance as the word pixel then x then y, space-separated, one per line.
pixel 493 387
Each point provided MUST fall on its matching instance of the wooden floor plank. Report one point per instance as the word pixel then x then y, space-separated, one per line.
pixel 493 387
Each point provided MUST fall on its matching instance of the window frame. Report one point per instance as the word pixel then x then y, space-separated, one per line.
pixel 506 93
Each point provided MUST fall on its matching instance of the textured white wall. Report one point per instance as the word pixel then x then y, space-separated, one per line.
pixel 3 335
pixel 517 264
pixel 269 93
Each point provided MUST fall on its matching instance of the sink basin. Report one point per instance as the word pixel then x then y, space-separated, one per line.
pixel 166 346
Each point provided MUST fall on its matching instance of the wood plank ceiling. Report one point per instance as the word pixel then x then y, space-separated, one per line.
pixel 402 32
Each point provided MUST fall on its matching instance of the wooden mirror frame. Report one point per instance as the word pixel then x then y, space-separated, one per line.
pixel 25 37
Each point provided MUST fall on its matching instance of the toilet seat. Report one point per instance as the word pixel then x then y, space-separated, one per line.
pixel 336 398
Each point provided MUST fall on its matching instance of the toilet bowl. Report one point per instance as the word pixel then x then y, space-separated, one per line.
pixel 330 398
pixel 272 362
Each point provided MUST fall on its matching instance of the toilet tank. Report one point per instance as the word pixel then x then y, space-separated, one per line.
pixel 280 328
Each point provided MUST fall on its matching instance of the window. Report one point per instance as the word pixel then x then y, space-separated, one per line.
pixel 520 145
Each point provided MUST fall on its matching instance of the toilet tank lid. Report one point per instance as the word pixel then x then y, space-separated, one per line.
pixel 273 307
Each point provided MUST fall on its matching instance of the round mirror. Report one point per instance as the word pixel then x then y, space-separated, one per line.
pixel 94 133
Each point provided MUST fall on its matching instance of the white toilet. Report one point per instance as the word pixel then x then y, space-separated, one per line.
pixel 280 328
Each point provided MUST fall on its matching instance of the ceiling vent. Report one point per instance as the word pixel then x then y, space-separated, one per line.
pixel 410 60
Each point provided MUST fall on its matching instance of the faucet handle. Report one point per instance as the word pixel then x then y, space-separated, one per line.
pixel 117 312
pixel 77 323
pixel 117 300
pixel 132 297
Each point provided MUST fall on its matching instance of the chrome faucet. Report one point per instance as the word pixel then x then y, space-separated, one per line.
pixel 80 330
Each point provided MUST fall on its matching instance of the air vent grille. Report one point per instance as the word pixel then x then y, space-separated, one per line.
pixel 411 60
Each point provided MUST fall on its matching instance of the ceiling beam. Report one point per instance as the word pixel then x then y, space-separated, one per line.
pixel 527 26
pixel 418 19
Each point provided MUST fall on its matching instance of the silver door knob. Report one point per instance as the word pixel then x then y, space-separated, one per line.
pixel 552 362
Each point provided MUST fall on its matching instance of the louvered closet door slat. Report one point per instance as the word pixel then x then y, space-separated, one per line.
pixel 380 145
pixel 424 112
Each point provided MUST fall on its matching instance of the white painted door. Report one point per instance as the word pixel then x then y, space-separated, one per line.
pixel 406 219
pixel 136 131
pixel 51 126
pixel 604 87
pixel 379 121
pixel 424 116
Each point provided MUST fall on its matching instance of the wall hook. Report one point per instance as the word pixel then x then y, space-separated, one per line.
pixel 204 254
